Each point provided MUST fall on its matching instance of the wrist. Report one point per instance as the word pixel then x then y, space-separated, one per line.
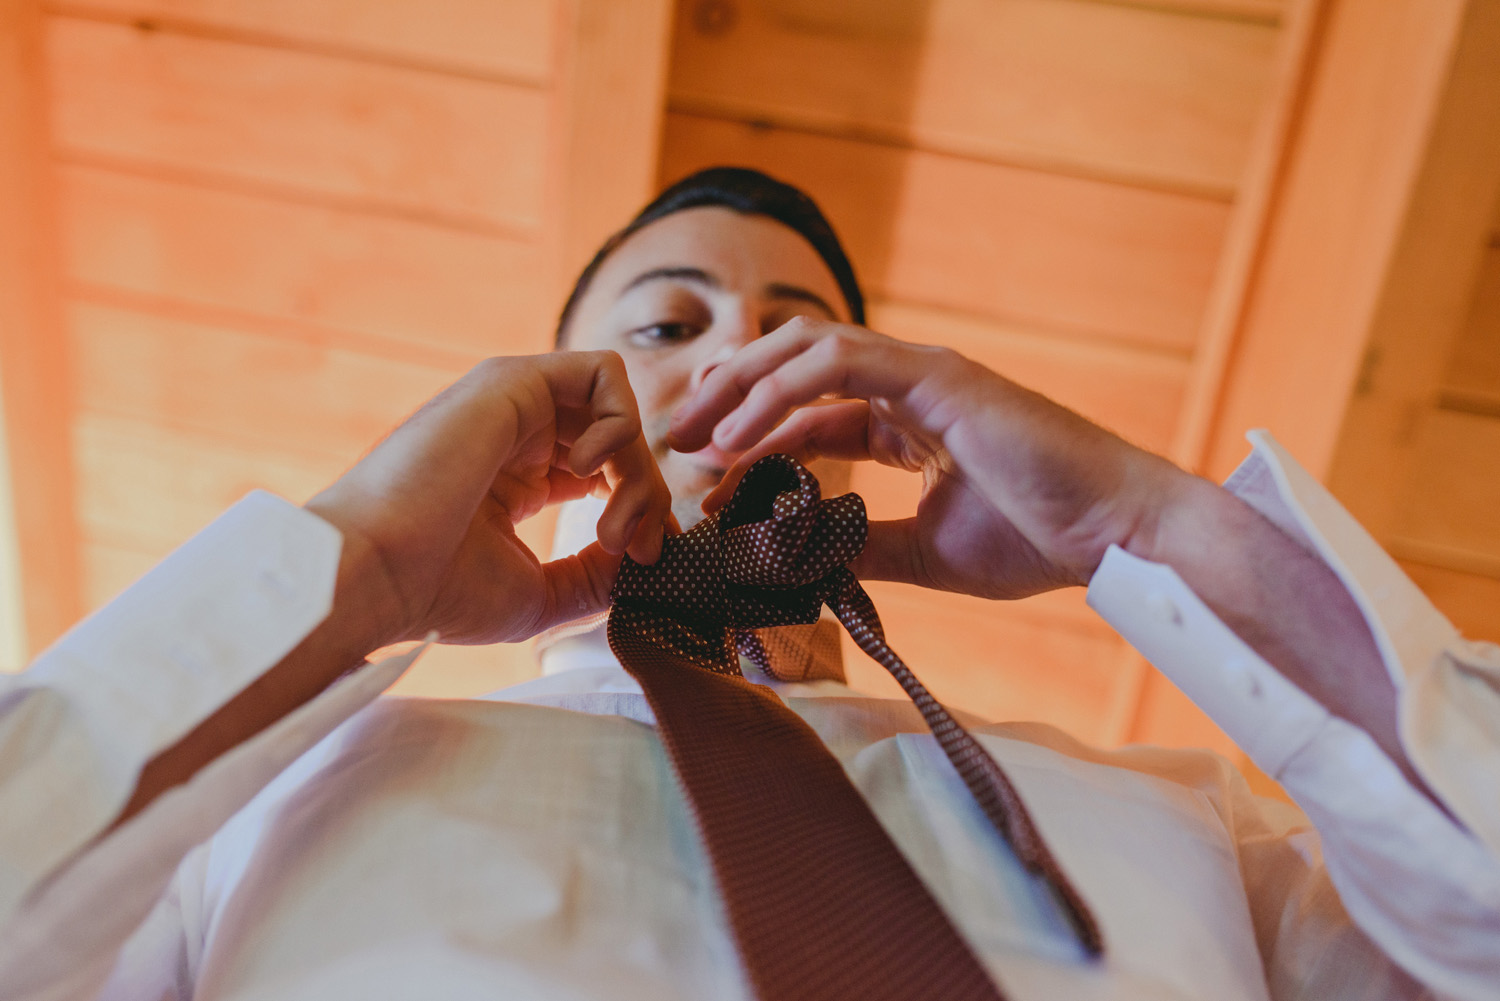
pixel 368 608
pixel 1186 518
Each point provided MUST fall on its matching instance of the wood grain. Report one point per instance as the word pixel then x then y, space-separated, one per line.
pixel 472 294
pixel 1359 147
pixel 1031 248
pixel 998 660
pixel 1133 392
pixel 149 488
pixel 420 142
pixel 242 387
pixel 1428 292
pixel 1472 380
pixel 608 110
pixel 36 390
pixel 1470 601
pixel 1133 93
pixel 513 40
pixel 1453 487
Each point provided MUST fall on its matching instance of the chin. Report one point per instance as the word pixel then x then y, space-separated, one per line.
pixel 688 491
pixel 688 510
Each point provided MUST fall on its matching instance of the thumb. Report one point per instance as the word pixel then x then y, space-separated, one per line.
pixel 576 586
pixel 891 553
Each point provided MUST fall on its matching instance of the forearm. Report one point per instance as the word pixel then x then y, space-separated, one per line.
pixel 1282 600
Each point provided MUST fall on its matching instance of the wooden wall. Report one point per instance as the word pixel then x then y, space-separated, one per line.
pixel 1447 529
pixel 285 225
pixel 275 226
pixel 1046 185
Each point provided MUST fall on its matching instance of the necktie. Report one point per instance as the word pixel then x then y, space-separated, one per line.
pixel 822 903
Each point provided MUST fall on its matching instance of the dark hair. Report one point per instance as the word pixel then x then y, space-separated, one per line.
pixel 745 191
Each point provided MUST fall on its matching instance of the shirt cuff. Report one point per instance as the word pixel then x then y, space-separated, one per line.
pixel 1422 882
pixel 139 674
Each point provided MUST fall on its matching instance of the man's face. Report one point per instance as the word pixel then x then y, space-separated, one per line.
pixel 678 298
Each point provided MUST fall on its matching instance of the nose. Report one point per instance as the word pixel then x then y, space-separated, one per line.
pixel 707 365
pixel 734 332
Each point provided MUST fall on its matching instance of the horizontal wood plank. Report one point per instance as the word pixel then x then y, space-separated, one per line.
pixel 998 660
pixel 1473 377
pixel 1453 488
pixel 421 142
pixel 1028 247
pixel 515 39
pixel 149 488
pixel 241 386
pixel 146 488
pixel 465 672
pixel 468 293
pixel 1470 601
pixel 1135 393
pixel 41 589
pixel 109 568
pixel 1264 11
pixel 1105 89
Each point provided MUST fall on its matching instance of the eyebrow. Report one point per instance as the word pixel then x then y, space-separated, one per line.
pixel 697 276
pixel 778 290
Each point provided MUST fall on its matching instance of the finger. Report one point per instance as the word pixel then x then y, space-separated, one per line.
pixel 634 521
pixel 639 504
pixel 836 431
pixel 594 383
pixel 846 363
pixel 726 386
pixel 563 486
pixel 613 445
pixel 575 586
pixel 891 553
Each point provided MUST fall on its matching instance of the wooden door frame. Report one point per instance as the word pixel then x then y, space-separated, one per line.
pixel 36 387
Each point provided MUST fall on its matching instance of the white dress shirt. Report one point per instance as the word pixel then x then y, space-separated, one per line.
pixel 535 844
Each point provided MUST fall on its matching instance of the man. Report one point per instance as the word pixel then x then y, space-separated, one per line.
pixel 538 845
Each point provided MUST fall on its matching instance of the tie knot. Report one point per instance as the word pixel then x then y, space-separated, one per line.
pixel 769 557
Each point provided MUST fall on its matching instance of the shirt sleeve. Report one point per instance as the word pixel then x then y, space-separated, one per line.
pixel 1421 879
pixel 128 682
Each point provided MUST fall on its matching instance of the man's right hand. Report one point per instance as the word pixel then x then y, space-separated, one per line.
pixel 428 519
pixel 429 515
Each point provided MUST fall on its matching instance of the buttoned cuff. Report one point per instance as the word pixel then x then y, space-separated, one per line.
pixel 1448 688
pixel 1422 882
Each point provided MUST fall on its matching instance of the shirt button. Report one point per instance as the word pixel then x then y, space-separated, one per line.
pixel 1163 609
pixel 1240 675
pixel 280 582
pixel 189 656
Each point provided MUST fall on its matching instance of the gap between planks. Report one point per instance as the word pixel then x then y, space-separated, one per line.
pixel 213 180
pixel 191 27
pixel 294 331
pixel 915 140
pixel 1267 12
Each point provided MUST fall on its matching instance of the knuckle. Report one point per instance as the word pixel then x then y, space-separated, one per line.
pixel 800 324
pixel 494 367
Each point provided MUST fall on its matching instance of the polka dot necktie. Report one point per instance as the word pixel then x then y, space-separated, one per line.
pixel 821 901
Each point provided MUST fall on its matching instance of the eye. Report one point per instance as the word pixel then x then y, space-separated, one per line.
pixel 656 335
